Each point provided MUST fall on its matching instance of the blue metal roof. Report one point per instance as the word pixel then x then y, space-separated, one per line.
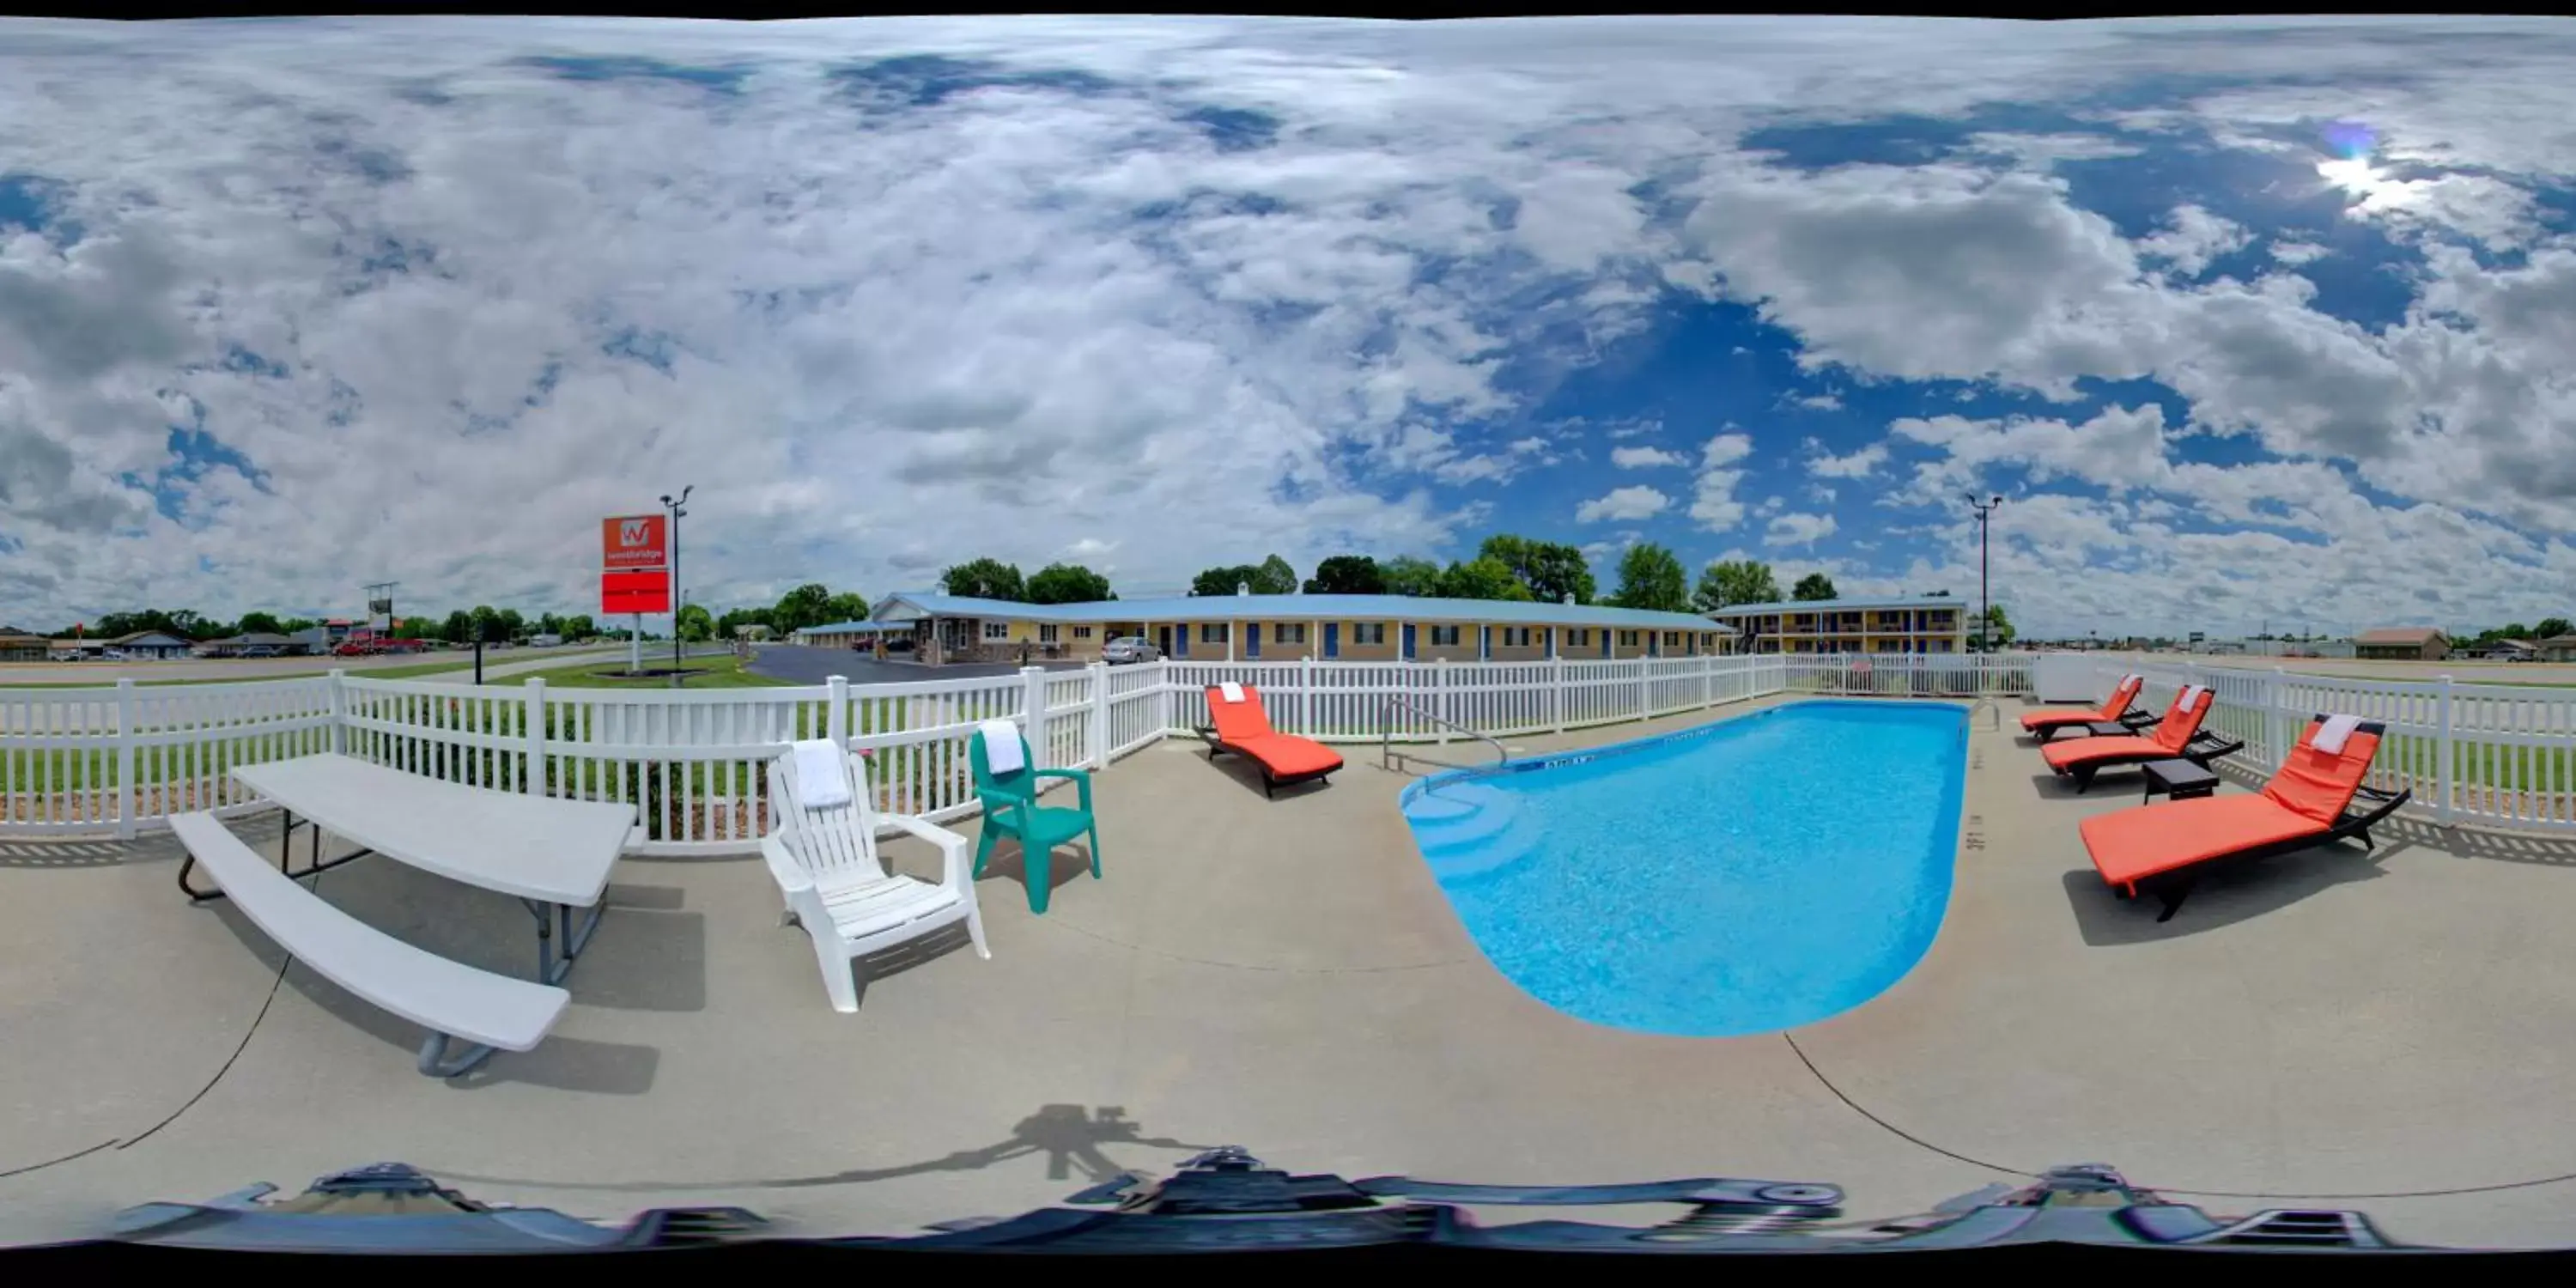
pixel 849 628
pixel 1297 608
pixel 1844 605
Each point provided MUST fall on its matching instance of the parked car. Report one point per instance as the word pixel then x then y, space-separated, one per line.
pixel 111 655
pixel 260 650
pixel 1129 648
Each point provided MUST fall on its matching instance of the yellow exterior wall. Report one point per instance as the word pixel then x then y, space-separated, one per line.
pixel 1271 649
pixel 1350 650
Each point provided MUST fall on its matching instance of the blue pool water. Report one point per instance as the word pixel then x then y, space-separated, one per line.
pixel 1748 876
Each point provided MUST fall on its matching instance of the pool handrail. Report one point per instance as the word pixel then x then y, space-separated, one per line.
pixel 1386 732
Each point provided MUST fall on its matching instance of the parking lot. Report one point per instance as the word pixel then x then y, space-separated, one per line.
pixel 801 665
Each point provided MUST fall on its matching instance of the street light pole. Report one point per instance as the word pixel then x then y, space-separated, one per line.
pixel 679 510
pixel 1985 599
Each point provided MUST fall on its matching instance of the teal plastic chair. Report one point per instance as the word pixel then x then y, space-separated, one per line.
pixel 1011 810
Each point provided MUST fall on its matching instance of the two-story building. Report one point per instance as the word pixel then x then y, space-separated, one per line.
pixel 1924 624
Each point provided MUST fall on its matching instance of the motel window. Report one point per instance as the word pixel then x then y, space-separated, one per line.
pixel 1212 632
pixel 1627 639
pixel 1444 635
pixel 1578 637
pixel 1082 632
pixel 1288 632
pixel 1368 632
pixel 1516 637
pixel 1046 633
pixel 997 630
pixel 1672 639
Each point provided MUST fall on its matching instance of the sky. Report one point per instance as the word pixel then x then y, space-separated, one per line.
pixel 2252 323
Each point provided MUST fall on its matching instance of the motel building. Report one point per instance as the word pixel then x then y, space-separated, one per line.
pixel 1926 624
pixel 937 628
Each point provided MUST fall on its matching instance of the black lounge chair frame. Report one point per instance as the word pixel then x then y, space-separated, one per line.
pixel 2203 748
pixel 2133 717
pixel 1270 782
pixel 2175 886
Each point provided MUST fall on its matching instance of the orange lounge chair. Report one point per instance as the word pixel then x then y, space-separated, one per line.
pixel 2308 803
pixel 1243 728
pixel 2045 724
pixel 2177 737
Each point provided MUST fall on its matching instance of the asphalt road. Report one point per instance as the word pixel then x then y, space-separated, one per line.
pixel 271 668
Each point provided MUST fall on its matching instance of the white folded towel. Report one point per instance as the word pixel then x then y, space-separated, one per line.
pixel 1001 746
pixel 1231 691
pixel 2127 680
pixel 2337 728
pixel 2190 697
pixel 822 776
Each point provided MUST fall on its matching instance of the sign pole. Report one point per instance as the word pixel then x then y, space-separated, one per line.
pixel 635 647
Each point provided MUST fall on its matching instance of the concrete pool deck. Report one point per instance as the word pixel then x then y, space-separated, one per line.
pixel 1285 975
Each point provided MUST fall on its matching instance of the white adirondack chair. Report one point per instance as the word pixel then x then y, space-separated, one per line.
pixel 840 891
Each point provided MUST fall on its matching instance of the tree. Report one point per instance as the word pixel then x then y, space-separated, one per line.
pixel 807 605
pixel 1483 577
pixel 549 624
pixel 1651 577
pixel 2517 631
pixel 1410 575
pixel 1815 587
pixel 487 622
pixel 579 627
pixel 2552 628
pixel 1063 583
pixel 513 626
pixel 1735 581
pixel 258 623
pixel 459 628
pixel 1347 575
pixel 846 606
pixel 1223 580
pixel 1274 577
pixel 1550 570
pixel 293 624
pixel 696 623
pixel 981 579
pixel 1999 627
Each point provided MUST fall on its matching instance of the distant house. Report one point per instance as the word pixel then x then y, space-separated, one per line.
pixel 2402 644
pixel 2557 648
pixel 236 645
pixel 2503 651
pixel 22 646
pixel 158 645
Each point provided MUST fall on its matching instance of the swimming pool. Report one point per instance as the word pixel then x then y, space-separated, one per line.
pixel 1747 876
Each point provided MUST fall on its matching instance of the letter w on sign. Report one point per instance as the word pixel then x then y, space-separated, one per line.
pixel 633 532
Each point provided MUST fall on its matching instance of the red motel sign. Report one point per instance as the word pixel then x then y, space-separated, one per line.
pixel 647 591
pixel 634 541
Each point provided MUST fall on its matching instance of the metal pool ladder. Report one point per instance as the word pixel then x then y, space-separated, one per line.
pixel 1987 704
pixel 1387 755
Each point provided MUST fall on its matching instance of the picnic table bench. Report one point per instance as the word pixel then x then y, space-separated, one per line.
pixel 552 855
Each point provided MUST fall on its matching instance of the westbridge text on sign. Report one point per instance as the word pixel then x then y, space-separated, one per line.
pixel 633 542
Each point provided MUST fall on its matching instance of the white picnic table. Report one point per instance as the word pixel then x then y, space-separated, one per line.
pixel 552 855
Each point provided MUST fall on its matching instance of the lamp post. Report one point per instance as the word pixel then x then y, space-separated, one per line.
pixel 679 510
pixel 1985 601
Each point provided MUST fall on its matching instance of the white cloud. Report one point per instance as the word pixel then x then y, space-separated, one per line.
pixel 1821 402
pixel 2295 253
pixel 1626 504
pixel 1713 504
pixel 1797 529
pixel 1642 458
pixel 1858 464
pixel 2193 239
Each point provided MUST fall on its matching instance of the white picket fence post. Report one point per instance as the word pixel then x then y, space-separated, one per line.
pixel 1645 686
pixel 1556 692
pixel 1306 695
pixel 1033 725
pixel 125 734
pixel 2442 769
pixel 1440 698
pixel 1099 735
pixel 339 713
pixel 2278 716
pixel 532 775
pixel 836 711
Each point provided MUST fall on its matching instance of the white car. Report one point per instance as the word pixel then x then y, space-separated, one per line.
pixel 1129 648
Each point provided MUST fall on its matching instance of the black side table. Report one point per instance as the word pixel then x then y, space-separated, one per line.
pixel 2179 779
pixel 2114 729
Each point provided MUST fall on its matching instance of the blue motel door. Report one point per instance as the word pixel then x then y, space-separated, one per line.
pixel 1252 639
pixel 1605 643
pixel 1484 642
pixel 1181 640
pixel 1332 639
pixel 1408 641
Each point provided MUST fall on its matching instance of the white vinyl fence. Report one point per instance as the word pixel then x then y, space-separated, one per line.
pixel 2496 755
pixel 122 759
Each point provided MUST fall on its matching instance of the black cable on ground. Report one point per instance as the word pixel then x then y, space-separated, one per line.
pixel 1917 1141
pixel 243 1045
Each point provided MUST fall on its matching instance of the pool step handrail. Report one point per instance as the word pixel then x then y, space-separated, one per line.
pixel 1987 704
pixel 1386 732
